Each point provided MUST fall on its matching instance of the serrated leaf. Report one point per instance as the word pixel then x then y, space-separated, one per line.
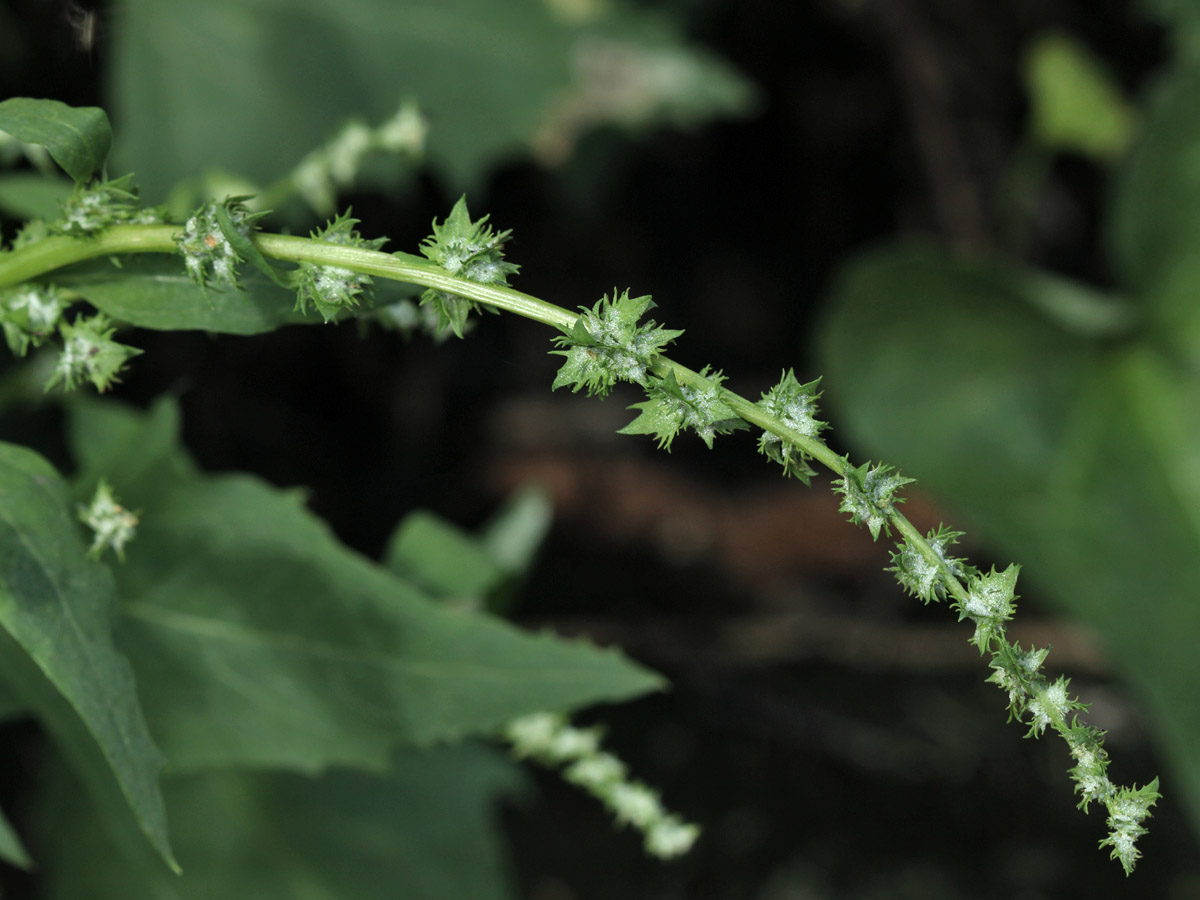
pixel 259 640
pixel 155 292
pixel 56 610
pixel 78 138
pixel 425 830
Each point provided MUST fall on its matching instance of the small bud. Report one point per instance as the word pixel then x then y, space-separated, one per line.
pixel 112 524
pixel 90 354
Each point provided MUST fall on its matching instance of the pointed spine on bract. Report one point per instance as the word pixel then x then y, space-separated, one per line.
pixel 334 289
pixel 795 405
pixel 673 406
pixel 468 250
pixel 607 344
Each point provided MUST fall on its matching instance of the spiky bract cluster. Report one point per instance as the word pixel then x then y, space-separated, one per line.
pixel 207 242
pixel 673 406
pixel 29 314
pixel 869 495
pixel 102 203
pixel 795 405
pixel 112 525
pixel 927 570
pixel 90 354
pixel 333 289
pixel 336 165
pixel 469 250
pixel 924 577
pixel 607 344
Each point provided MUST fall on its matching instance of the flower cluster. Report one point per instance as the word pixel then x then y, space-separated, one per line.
pixel 112 524
pixel 922 571
pixel 208 240
pixel 795 405
pixel 336 165
pixel 673 406
pixel 30 314
pixel 89 354
pixel 869 495
pixel 468 250
pixel 550 740
pixel 103 203
pixel 334 289
pixel 606 344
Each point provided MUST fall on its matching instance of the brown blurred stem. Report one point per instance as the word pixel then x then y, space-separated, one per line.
pixel 921 83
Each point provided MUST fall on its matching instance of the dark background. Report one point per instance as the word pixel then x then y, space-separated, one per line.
pixel 835 738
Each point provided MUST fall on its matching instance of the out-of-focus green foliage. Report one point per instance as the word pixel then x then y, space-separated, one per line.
pixel 251 87
pixel 1075 106
pixel 1063 422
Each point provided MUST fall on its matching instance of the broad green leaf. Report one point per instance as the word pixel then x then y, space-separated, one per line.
pixel 26 195
pixel 155 292
pixel 56 651
pixel 1076 106
pixel 78 138
pixel 259 640
pixel 1078 459
pixel 1154 223
pixel 425 830
pixel 12 851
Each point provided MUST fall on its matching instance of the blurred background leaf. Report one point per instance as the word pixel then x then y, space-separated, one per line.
pixel 424 831
pixel 251 87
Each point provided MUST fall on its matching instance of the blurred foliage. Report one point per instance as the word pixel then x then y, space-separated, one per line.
pixel 1061 420
pixel 197 88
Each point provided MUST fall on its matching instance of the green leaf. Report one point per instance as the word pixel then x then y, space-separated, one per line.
pixel 198 87
pixel 12 851
pixel 78 138
pixel 1076 458
pixel 259 640
pixel 1154 224
pixel 441 558
pixel 25 195
pixel 1076 106
pixel 426 830
pixel 514 534
pixel 155 292
pixel 494 79
pixel 56 610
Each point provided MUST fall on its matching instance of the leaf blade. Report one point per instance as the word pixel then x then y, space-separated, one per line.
pixel 58 657
pixel 78 138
